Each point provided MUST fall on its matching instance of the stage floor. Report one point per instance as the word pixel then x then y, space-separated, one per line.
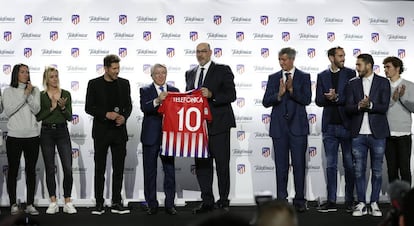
pixel 185 217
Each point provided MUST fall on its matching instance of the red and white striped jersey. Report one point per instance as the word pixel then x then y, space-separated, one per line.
pixel 184 128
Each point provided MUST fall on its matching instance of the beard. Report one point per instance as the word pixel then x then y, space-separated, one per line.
pixel 362 74
pixel 339 64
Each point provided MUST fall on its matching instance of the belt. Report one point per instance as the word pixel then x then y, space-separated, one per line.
pixel 54 125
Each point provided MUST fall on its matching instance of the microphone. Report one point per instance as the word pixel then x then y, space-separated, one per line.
pixel 396 192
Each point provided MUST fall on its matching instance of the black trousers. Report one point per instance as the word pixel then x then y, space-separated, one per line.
pixel 30 148
pixel 219 148
pixel 398 155
pixel 113 139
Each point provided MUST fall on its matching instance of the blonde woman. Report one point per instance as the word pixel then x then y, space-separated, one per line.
pixel 55 111
pixel 21 103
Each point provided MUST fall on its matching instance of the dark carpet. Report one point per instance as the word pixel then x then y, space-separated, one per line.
pixel 138 217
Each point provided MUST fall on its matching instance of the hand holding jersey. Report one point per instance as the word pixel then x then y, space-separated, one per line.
pixel 184 126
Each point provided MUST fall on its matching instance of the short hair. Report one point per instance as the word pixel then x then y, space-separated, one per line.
pixel 46 75
pixel 332 51
pixel 396 62
pixel 276 213
pixel 111 58
pixel 155 66
pixel 366 58
pixel 14 81
pixel 290 52
pixel 408 207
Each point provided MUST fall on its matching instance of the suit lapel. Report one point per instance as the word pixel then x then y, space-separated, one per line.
pixel 296 80
pixel 207 79
pixel 360 89
pixel 193 77
pixel 373 86
pixel 120 94
pixel 341 81
pixel 102 92
pixel 328 80
pixel 154 92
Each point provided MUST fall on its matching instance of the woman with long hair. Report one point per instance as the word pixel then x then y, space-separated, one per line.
pixel 55 111
pixel 21 104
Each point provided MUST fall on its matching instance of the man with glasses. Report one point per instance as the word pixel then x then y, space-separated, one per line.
pixel 216 82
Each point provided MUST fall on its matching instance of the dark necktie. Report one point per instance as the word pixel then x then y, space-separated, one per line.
pixel 162 88
pixel 200 78
pixel 287 75
pixel 286 97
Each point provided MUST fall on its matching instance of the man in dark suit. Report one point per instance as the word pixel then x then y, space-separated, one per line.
pixel 330 94
pixel 288 92
pixel 151 96
pixel 216 82
pixel 108 100
pixel 367 101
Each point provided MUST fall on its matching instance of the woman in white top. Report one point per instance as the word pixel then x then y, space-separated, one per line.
pixel 21 103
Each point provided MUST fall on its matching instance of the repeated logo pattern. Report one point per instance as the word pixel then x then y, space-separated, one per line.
pixel 249 44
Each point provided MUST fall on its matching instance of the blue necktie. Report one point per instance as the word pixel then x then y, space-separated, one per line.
pixel 200 78
pixel 287 75
pixel 162 88
pixel 286 96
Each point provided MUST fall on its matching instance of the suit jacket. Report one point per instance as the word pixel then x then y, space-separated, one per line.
pixel 379 96
pixel 294 104
pixel 96 105
pixel 323 84
pixel 219 79
pixel 152 122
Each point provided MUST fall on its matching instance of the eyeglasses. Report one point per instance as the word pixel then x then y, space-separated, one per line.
pixel 202 51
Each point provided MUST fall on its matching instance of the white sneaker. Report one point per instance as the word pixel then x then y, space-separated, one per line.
pixel 69 208
pixel 375 210
pixel 14 209
pixel 30 209
pixel 53 208
pixel 360 210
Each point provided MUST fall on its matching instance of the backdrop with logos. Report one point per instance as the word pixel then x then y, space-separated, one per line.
pixel 75 35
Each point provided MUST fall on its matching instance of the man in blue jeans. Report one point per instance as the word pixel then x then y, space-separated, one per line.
pixel 367 101
pixel 330 94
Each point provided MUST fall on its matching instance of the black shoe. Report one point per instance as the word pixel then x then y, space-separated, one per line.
pixel 349 207
pixel 99 209
pixel 171 211
pixel 327 207
pixel 119 209
pixel 301 208
pixel 152 210
pixel 203 209
pixel 223 205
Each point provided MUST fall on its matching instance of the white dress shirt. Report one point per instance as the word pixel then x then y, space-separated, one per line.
pixel 366 85
pixel 157 87
pixel 206 66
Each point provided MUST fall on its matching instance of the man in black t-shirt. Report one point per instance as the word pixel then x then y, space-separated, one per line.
pixel 108 100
